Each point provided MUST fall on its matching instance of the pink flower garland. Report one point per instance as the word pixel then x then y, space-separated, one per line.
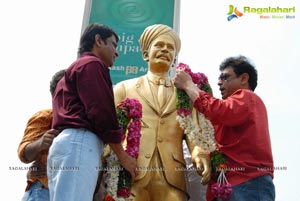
pixel 132 109
pixel 129 113
pixel 200 79
pixel 222 189
pixel 203 136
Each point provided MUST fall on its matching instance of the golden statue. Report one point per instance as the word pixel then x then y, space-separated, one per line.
pixel 161 162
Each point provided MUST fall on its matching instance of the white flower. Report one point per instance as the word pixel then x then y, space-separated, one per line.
pixel 203 137
pixel 112 178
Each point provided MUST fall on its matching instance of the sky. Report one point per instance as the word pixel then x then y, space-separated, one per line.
pixel 39 38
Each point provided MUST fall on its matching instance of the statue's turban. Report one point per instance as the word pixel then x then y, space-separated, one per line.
pixel 152 32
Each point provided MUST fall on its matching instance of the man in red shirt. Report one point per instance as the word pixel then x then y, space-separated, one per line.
pixel 241 125
pixel 84 112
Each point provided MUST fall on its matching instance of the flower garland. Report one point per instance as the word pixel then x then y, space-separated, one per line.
pixel 222 188
pixel 118 180
pixel 203 137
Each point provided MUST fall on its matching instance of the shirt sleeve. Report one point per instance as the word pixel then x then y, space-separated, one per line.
pixel 95 91
pixel 36 126
pixel 231 112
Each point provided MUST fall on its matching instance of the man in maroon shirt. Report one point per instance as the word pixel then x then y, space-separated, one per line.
pixel 84 112
pixel 242 132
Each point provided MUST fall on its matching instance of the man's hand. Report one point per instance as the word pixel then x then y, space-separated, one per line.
pixel 183 81
pixel 33 150
pixel 46 140
pixel 202 163
pixel 128 162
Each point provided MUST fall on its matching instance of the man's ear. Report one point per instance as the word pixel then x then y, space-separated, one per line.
pixel 146 55
pixel 245 79
pixel 98 40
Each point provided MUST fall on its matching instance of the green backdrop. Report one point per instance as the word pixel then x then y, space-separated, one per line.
pixel 129 18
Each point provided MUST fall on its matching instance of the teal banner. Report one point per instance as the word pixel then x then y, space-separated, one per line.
pixel 129 18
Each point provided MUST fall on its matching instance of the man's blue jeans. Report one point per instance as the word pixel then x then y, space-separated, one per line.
pixel 37 192
pixel 258 189
pixel 73 163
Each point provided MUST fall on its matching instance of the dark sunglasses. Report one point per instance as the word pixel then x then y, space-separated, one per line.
pixel 224 77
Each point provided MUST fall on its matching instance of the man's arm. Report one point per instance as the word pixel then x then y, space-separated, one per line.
pixel 128 162
pixel 37 137
pixel 33 150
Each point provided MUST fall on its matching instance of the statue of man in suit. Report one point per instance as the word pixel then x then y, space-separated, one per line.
pixel 161 161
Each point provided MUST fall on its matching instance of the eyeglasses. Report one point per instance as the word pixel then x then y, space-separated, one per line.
pixel 224 77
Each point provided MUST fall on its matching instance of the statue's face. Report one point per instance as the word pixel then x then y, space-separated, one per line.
pixel 161 53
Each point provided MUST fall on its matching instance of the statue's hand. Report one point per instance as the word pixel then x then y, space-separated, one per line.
pixel 202 163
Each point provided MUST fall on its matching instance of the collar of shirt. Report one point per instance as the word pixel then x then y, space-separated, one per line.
pixel 158 80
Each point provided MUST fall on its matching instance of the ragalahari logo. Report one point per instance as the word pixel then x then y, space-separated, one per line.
pixel 233 13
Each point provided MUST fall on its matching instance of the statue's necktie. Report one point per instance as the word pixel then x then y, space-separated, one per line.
pixel 161 93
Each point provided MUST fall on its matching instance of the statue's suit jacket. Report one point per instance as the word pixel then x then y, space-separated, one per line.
pixel 160 130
